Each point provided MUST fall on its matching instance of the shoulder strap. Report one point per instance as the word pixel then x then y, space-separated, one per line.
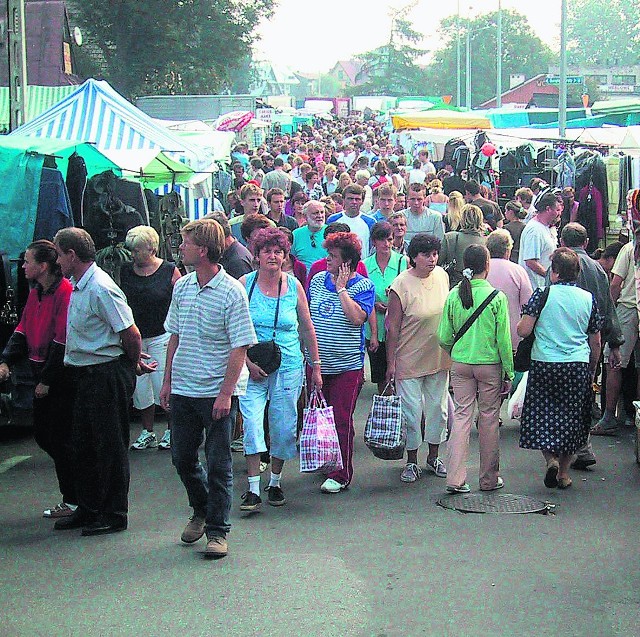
pixel 275 320
pixel 544 297
pixel 472 319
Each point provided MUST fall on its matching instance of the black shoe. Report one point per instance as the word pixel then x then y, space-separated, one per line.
pixel 275 496
pixel 250 501
pixel 104 526
pixel 581 464
pixel 78 520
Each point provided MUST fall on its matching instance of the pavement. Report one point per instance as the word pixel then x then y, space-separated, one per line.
pixel 380 559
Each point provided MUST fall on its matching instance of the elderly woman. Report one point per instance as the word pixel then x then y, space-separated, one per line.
pixel 482 369
pixel 148 285
pixel 470 232
pixel 508 277
pixel 556 415
pixel 340 301
pixel 280 312
pixel 415 361
pixel 383 266
pixel 40 337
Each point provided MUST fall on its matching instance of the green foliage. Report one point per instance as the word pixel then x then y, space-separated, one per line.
pixel 391 69
pixel 329 86
pixel 522 52
pixel 603 32
pixel 172 46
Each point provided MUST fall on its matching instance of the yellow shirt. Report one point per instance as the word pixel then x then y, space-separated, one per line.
pixel 422 300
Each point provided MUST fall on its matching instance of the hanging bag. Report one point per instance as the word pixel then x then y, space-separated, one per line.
pixel 267 354
pixel 319 446
pixel 386 431
pixel 522 359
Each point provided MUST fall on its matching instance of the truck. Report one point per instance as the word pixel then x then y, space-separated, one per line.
pixel 338 106
pixel 200 107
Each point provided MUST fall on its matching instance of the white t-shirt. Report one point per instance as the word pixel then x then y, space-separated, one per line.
pixel 360 225
pixel 417 176
pixel 536 242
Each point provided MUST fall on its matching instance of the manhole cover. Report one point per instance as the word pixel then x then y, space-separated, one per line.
pixel 493 503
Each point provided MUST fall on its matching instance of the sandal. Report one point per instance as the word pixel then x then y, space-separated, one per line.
pixel 564 483
pixel 599 430
pixel 551 477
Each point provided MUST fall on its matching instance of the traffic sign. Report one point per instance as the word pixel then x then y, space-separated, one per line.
pixel 571 79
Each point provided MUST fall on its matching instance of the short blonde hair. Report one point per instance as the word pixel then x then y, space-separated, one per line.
pixel 144 236
pixel 206 233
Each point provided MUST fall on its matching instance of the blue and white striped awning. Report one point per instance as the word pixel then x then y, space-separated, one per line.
pixel 97 114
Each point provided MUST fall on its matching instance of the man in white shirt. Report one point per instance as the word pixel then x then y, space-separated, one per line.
pixel 537 241
pixel 419 217
pixel 277 178
pixel 359 223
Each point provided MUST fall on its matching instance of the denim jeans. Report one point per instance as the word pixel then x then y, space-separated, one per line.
pixel 209 490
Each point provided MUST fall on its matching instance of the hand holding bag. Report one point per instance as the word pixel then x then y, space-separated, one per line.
pixel 522 359
pixel 267 354
pixel 386 431
pixel 319 446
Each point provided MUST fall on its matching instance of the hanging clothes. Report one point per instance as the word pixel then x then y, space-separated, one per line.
pixel 566 170
pixel 54 207
pixel 76 184
pixel 612 164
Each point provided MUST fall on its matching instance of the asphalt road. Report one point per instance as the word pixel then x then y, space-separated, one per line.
pixel 380 559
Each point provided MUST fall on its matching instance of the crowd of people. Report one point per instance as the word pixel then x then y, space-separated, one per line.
pixel 322 254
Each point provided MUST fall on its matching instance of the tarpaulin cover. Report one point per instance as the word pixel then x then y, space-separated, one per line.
pixel 20 175
pixel 439 119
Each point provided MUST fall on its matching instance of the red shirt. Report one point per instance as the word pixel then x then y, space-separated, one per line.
pixel 44 319
pixel 321 266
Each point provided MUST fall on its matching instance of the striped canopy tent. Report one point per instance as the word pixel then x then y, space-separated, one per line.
pixel 97 114
pixel 39 99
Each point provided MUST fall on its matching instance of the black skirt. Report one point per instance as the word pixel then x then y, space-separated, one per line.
pixel 556 415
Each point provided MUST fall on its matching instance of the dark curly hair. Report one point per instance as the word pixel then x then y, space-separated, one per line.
pixel 270 238
pixel 422 243
pixel 348 244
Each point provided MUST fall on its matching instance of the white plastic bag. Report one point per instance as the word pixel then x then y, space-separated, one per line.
pixel 516 402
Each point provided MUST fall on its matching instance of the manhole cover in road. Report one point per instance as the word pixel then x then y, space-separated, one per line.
pixel 493 503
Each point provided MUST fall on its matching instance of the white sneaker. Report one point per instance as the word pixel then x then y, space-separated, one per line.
pixel 165 442
pixel 332 486
pixel 146 440
pixel 411 472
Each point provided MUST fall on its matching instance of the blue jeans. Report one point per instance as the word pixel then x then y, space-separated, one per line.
pixel 209 490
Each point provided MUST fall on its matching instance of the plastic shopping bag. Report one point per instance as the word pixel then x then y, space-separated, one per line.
pixel 516 402
pixel 319 446
pixel 386 432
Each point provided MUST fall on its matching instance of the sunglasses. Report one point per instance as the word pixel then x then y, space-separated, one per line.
pixel 313 241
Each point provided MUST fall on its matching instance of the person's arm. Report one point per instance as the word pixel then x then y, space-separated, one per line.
pixel 15 349
pixel 132 345
pixel 394 320
pixel 373 327
pixel 222 404
pixel 503 341
pixel 526 325
pixel 594 351
pixel 176 276
pixel 446 334
pixel 535 266
pixel 308 335
pixel 616 287
pixel 354 313
pixel 165 392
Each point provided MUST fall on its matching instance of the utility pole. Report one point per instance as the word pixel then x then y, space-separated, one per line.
pixel 499 58
pixel 562 105
pixel 468 78
pixel 458 82
pixel 17 60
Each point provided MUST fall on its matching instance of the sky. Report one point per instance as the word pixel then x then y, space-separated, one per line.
pixel 311 35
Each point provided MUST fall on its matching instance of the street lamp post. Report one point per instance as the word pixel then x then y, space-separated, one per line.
pixel 458 83
pixel 562 103
pixel 468 71
pixel 499 58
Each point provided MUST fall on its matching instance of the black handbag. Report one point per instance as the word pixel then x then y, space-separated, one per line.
pixel 522 358
pixel 267 354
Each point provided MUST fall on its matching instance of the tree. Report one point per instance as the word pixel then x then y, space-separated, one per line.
pixel 391 69
pixel 603 33
pixel 172 46
pixel 329 86
pixel 522 52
